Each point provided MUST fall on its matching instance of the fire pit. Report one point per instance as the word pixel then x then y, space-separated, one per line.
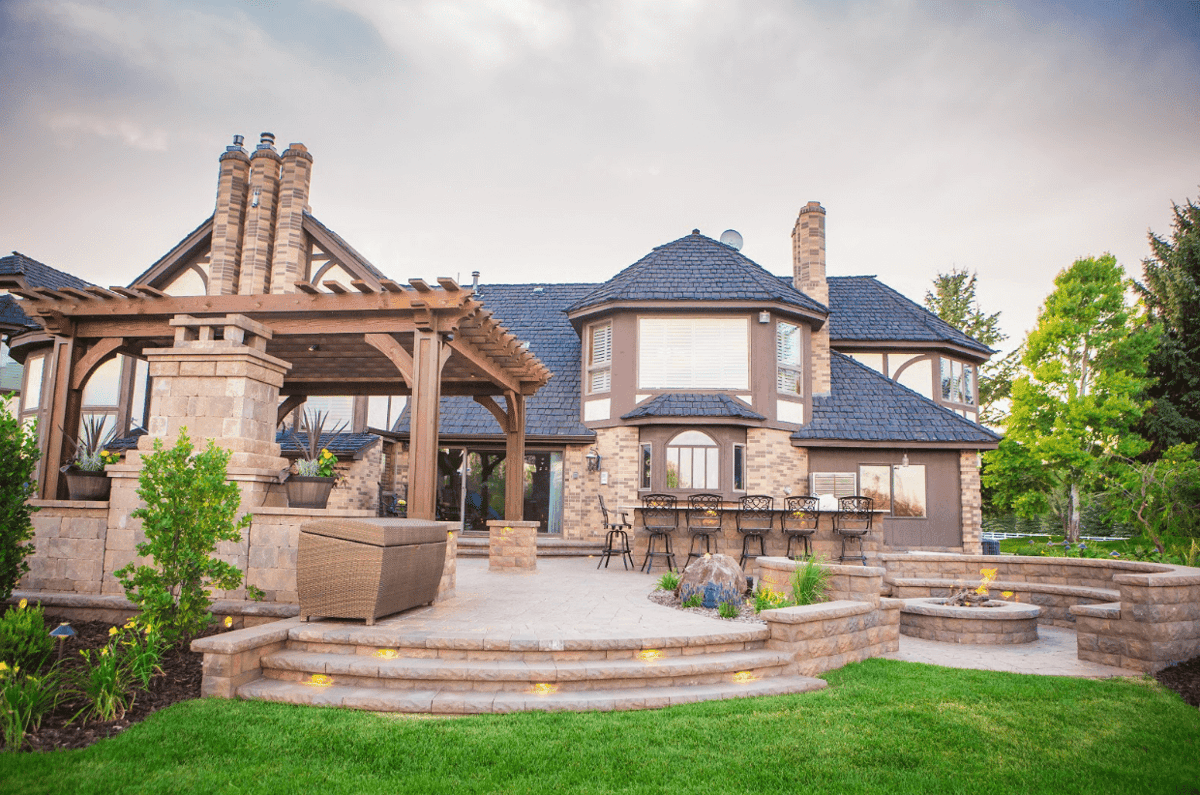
pixel 970 617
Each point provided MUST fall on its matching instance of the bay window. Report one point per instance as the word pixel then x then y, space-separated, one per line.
pixel 693 353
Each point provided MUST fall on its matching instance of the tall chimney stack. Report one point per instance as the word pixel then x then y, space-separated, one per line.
pixel 260 218
pixel 808 276
pixel 288 258
pixel 228 219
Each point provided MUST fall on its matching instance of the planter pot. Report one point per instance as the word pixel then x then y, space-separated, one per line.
pixel 308 492
pixel 83 485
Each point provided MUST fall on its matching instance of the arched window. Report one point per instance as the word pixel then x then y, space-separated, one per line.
pixel 693 462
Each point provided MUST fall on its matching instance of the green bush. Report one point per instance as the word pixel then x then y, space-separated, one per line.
pixel 24 699
pixel 18 458
pixel 668 582
pixel 810 583
pixel 190 506
pixel 728 610
pixel 24 641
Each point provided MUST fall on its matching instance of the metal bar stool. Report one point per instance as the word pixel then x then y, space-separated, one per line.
pixel 852 522
pixel 660 519
pixel 754 520
pixel 799 520
pixel 616 540
pixel 703 521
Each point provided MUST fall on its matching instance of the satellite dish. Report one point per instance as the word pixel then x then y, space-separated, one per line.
pixel 732 238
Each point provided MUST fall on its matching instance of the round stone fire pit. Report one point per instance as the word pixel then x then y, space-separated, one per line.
pixel 993 622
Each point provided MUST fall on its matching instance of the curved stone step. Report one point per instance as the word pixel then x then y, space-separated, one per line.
pixel 448 702
pixel 515 674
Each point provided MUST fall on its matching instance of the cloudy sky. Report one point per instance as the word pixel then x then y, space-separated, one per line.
pixel 560 141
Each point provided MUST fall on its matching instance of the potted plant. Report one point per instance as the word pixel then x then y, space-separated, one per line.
pixel 315 477
pixel 86 478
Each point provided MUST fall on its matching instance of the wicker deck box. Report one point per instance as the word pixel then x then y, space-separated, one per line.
pixel 368 568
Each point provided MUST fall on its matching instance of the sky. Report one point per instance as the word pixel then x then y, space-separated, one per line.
pixel 561 141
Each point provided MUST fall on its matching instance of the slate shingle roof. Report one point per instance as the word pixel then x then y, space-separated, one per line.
pixel 864 406
pixel 690 404
pixel 36 274
pixel 535 313
pixel 340 444
pixel 864 308
pixel 696 268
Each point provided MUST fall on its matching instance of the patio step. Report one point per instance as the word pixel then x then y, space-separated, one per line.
pixel 476 546
pixel 513 673
pixel 440 701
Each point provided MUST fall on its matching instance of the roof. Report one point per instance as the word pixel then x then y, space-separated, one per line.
pixel 865 406
pixel 864 308
pixel 696 268
pixel 359 258
pixel 34 274
pixel 693 404
pixel 340 444
pixel 535 313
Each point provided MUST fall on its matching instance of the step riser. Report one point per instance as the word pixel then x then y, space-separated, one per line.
pixel 520 656
pixel 506 686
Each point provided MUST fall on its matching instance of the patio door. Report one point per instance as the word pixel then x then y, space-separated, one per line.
pixel 477 477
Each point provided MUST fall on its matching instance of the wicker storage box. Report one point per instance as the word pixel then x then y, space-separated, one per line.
pixel 368 568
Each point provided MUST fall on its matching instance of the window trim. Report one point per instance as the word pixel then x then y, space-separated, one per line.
pixel 891 510
pixel 646 467
pixel 593 366
pixel 738 467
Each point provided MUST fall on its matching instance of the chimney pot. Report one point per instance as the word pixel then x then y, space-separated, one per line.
pixel 267 141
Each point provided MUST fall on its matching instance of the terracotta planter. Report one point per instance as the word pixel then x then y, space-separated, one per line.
pixel 308 492
pixel 82 485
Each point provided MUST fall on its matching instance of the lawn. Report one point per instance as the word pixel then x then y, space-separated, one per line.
pixel 1184 548
pixel 881 726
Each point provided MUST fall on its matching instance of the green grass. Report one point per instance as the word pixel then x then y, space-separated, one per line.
pixel 1021 546
pixel 881 726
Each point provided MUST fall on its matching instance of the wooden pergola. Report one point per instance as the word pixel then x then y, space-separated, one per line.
pixel 376 337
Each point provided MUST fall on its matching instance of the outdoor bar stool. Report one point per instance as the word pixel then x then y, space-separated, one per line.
pixel 852 522
pixel 800 521
pixel 660 519
pixel 616 540
pixel 754 520
pixel 703 521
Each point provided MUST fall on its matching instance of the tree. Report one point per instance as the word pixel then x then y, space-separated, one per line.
pixel 1172 295
pixel 190 506
pixel 1075 408
pixel 18 459
pixel 1161 497
pixel 953 299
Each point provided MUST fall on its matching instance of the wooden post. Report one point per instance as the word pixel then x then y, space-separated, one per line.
pixel 423 431
pixel 514 457
pixel 63 416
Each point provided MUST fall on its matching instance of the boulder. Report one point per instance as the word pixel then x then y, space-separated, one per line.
pixel 717 578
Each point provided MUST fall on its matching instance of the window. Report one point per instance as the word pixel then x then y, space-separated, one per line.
pixel 789 378
pixel 958 382
pixel 599 365
pixel 338 409
pixel 693 462
pixel 839 484
pixel 693 353
pixel 644 467
pixel 739 467
pixel 899 490
pixel 383 411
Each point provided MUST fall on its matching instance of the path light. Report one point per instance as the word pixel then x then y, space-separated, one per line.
pixel 593 460
pixel 387 654
pixel 649 655
pixel 744 677
pixel 543 689
pixel 320 680
pixel 61 633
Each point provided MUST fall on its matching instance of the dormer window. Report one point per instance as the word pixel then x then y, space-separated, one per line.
pixel 693 353
pixel 599 374
pixel 958 382
pixel 789 359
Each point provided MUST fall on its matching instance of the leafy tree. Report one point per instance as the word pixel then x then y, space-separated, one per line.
pixel 190 506
pixel 1160 498
pixel 18 459
pixel 953 299
pixel 1075 408
pixel 1172 295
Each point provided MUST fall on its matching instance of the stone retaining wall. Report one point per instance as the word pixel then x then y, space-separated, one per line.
pixel 846 582
pixel 825 636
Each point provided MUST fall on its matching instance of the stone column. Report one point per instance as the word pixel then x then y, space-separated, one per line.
pixel 972 502
pixel 512 546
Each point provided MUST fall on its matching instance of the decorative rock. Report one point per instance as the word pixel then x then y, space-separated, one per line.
pixel 716 578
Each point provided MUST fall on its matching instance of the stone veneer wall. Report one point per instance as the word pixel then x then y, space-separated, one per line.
pixel 68 539
pixel 828 635
pixel 972 502
pixel 773 465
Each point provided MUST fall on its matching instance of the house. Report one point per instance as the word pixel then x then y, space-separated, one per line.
pixel 694 369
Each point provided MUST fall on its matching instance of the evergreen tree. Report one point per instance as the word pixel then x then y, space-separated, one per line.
pixel 1172 295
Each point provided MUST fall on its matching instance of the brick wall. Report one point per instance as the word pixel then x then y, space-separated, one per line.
pixel 972 502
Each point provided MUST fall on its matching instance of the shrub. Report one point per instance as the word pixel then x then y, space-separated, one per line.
pixel 24 700
pixel 190 506
pixel 668 582
pixel 104 682
pixel 695 600
pixel 810 583
pixel 728 610
pixel 24 641
pixel 18 458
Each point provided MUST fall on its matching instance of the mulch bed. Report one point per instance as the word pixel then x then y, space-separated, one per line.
pixel 181 678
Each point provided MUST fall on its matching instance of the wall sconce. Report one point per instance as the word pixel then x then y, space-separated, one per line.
pixel 593 460
pixel 904 460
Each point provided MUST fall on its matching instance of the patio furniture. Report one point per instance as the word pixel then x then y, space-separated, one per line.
pixel 661 519
pixel 799 520
pixel 754 520
pixel 368 568
pixel 616 539
pixel 852 522
pixel 703 521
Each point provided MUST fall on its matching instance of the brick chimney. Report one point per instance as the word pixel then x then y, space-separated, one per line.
pixel 228 219
pixel 260 218
pixel 808 276
pixel 287 261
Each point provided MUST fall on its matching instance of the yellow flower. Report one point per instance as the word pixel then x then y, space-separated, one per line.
pixel 112 631
pixel 21 605
pixel 3 666
pixel 326 454
pixel 228 621
pixel 130 624
pixel 104 652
